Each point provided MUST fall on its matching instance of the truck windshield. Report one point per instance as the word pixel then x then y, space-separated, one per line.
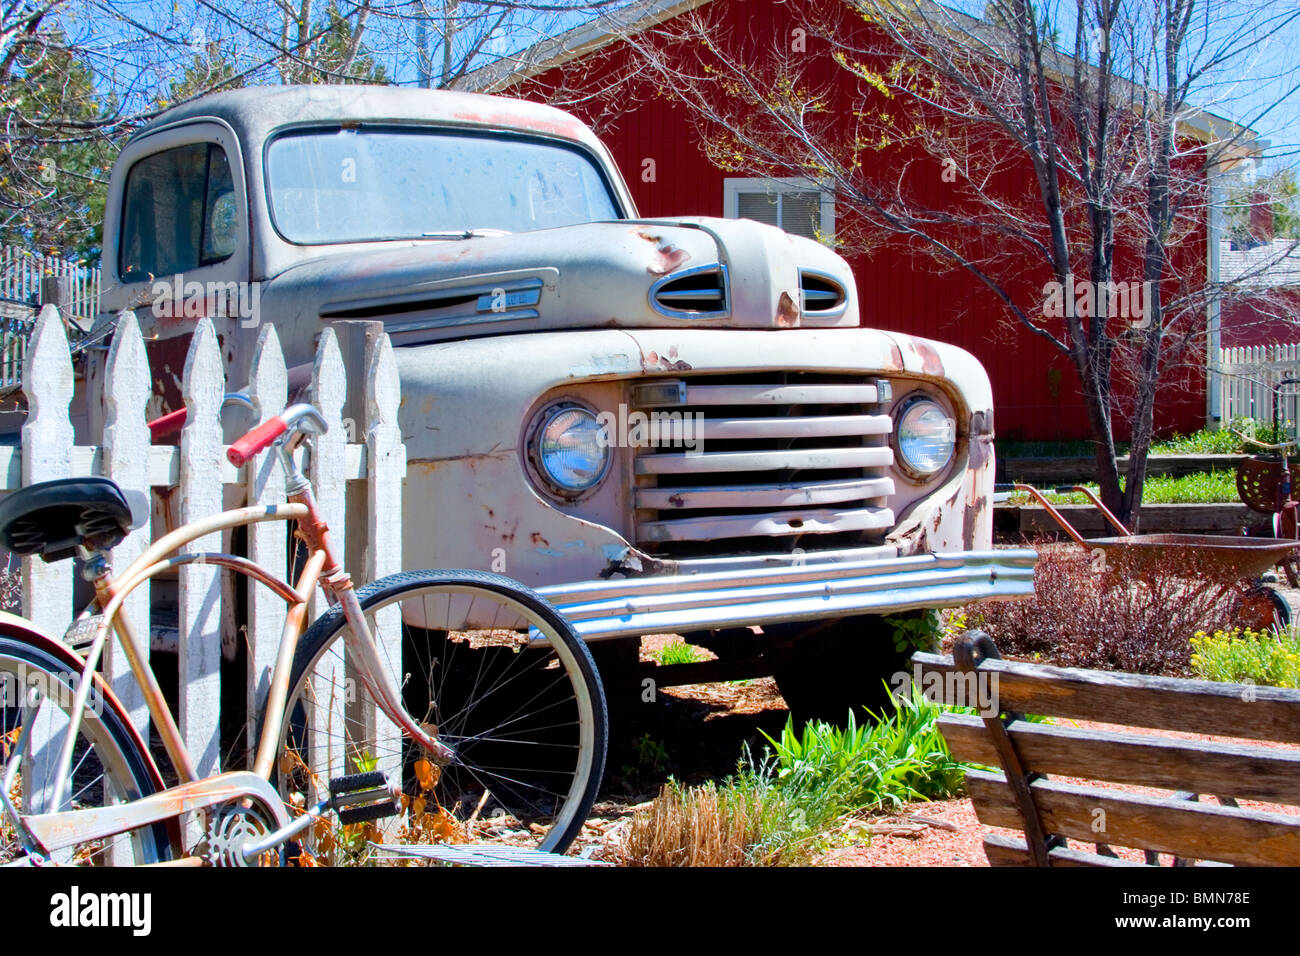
pixel 361 185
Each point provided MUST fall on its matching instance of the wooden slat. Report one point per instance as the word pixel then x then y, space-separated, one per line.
pixel 1234 770
pixel 1197 830
pixel 1012 851
pixel 1167 703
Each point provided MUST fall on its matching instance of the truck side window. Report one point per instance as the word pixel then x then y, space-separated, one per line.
pixel 178 213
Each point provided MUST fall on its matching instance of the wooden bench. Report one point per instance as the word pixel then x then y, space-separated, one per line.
pixel 1049 812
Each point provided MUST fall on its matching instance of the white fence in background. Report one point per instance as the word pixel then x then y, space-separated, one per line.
pixel 197 478
pixel 1248 376
pixel 22 270
pixel 23 290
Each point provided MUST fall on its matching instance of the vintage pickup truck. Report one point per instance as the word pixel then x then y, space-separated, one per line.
pixel 668 426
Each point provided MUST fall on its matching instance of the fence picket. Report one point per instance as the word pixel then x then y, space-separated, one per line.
pixel 268 386
pixel 203 385
pixel 125 459
pixel 385 466
pixel 47 441
pixel 327 472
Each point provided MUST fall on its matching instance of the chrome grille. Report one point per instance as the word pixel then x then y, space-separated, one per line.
pixel 765 463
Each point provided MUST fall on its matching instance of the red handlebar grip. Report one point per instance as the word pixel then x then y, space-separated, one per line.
pixel 256 440
pixel 171 422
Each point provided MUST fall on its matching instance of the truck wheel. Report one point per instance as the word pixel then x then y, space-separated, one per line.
pixel 844 666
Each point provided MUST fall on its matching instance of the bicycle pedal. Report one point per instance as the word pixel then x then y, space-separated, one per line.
pixel 359 797
pixel 349 783
pixel 81 632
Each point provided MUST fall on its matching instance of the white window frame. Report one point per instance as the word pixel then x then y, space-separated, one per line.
pixel 733 186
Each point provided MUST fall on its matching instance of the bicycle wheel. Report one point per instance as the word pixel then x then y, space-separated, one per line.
pixel 37 686
pixel 500 676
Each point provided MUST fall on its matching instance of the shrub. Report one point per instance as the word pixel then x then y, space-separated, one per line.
pixel 1085 615
pixel 1241 657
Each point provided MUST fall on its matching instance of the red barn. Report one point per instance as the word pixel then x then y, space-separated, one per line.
pixel 591 71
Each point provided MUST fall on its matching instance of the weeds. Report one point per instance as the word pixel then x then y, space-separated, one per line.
pixel 1248 657
pixel 781 809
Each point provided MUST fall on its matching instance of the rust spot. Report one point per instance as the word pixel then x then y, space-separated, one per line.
pixel 537 539
pixel 931 364
pixel 895 357
pixel 654 362
pixel 667 258
pixel 787 313
pixel 677 501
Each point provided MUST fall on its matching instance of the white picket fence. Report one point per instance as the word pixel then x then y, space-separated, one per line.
pixel 21 295
pixel 197 478
pixel 21 271
pixel 1247 380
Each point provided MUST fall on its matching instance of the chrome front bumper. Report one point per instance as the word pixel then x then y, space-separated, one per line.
pixel 685 603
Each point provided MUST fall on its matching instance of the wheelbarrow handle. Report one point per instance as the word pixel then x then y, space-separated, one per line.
pixel 1109 515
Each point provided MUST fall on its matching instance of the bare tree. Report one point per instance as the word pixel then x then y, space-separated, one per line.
pixel 1061 153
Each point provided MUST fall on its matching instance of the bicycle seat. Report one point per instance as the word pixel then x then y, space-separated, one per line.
pixel 53 517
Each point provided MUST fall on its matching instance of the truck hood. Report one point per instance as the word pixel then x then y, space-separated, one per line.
pixel 681 273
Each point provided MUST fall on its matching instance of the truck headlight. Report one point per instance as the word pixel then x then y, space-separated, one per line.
pixel 924 437
pixel 569 448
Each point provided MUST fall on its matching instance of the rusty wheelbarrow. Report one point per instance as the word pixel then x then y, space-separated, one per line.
pixel 1234 562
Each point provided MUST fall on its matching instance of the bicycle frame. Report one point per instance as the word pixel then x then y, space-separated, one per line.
pixel 323 568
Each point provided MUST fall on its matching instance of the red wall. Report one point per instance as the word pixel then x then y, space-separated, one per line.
pixel 899 289
pixel 1274 320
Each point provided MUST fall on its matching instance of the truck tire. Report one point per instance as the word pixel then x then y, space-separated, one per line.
pixel 844 666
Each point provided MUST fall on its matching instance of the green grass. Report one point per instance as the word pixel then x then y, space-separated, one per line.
pixel 1224 441
pixel 1220 441
pixel 1200 488
pixel 678 652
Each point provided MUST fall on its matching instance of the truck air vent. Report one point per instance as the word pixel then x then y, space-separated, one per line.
pixel 696 293
pixel 760 462
pixel 823 295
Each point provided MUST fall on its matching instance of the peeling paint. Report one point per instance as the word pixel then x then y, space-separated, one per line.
pixel 654 362
pixel 787 313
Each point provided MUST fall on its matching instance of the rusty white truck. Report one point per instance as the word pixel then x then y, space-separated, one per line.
pixel 670 426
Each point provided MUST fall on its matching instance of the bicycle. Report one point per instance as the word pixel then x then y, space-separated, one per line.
pixel 482 718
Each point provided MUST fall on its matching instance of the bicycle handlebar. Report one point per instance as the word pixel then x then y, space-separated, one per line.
pixel 301 417
pixel 175 421
pixel 257 440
